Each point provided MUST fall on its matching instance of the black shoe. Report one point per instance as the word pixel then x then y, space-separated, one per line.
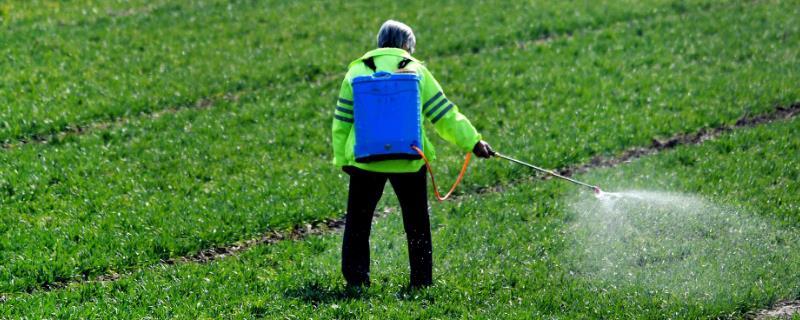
pixel 358 284
pixel 420 285
pixel 355 290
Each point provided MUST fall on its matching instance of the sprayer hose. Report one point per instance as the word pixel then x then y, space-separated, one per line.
pixel 433 180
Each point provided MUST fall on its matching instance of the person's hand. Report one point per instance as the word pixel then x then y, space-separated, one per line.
pixel 482 149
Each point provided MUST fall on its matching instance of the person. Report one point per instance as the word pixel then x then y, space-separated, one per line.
pixel 396 43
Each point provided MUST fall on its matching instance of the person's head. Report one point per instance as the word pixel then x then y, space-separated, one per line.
pixel 395 34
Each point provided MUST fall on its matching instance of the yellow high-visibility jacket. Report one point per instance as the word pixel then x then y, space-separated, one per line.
pixel 441 112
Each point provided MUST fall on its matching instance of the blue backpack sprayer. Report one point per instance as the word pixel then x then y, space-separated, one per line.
pixel 388 125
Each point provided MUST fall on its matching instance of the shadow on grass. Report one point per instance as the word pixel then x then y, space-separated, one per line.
pixel 408 293
pixel 315 294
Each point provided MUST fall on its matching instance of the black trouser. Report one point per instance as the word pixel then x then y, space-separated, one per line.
pixel 366 189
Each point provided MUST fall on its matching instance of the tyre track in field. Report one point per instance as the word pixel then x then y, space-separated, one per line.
pixel 298 232
pixel 657 145
pixel 330 225
pixel 784 309
pixel 234 96
pixel 307 228
pixel 90 125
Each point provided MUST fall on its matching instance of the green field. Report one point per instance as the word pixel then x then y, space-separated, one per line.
pixel 91 62
pixel 209 123
pixel 522 263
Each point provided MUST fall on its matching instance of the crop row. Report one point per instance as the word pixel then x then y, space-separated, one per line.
pixel 16 14
pixel 151 189
pixel 61 73
pixel 565 101
pixel 510 255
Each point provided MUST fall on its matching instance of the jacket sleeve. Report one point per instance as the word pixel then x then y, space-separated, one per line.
pixel 342 122
pixel 448 122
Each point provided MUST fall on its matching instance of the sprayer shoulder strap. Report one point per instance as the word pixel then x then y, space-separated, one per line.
pixel 370 63
pixel 403 63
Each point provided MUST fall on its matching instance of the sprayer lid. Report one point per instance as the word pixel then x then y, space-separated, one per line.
pixel 386 76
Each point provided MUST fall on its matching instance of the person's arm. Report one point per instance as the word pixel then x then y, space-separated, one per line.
pixel 448 122
pixel 342 122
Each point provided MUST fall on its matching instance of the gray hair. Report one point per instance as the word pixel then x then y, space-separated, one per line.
pixel 395 34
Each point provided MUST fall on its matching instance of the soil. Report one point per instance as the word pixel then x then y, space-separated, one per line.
pixel 781 310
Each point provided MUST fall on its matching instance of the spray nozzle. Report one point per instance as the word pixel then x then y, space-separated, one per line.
pixel 597 190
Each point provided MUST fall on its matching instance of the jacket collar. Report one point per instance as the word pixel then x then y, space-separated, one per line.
pixel 384 52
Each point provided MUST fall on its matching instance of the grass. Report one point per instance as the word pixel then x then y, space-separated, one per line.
pixel 148 189
pixel 556 85
pixel 97 61
pixel 502 255
pixel 571 99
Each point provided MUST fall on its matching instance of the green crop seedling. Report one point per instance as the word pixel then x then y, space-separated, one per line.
pixel 136 132
pixel 531 264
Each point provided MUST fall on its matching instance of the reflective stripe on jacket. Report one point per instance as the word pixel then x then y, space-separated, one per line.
pixel 448 122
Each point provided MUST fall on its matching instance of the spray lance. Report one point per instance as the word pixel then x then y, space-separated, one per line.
pixel 596 189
